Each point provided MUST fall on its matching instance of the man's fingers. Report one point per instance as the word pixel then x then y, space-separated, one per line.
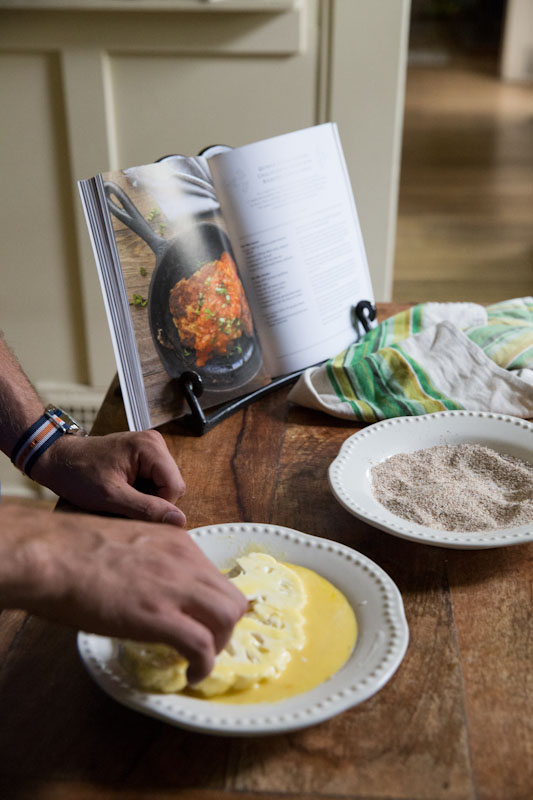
pixel 196 644
pixel 137 505
pixel 156 464
pixel 218 610
pixel 169 482
pixel 175 517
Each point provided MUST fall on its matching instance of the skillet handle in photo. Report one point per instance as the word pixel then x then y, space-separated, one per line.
pixel 128 213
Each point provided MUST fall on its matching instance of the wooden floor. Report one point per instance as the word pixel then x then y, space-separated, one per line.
pixel 465 222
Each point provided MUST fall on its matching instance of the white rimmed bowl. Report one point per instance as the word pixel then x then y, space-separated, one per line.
pixel 350 473
pixel 380 647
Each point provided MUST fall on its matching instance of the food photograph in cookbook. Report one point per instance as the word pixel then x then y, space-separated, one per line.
pixel 186 300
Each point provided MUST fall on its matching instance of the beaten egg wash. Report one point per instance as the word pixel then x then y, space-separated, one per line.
pixel 298 631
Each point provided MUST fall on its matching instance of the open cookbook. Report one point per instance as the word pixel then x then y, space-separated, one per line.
pixel 235 268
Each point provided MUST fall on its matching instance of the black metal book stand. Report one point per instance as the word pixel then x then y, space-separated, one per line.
pixel 190 383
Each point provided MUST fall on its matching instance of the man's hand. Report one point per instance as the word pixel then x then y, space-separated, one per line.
pixel 128 474
pixel 121 578
pixel 97 473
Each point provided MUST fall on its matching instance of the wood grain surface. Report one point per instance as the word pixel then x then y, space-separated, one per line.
pixel 455 721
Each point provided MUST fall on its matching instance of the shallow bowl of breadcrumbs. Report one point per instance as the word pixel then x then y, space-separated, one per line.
pixel 459 479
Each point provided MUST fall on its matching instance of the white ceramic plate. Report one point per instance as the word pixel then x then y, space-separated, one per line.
pixel 380 646
pixel 350 480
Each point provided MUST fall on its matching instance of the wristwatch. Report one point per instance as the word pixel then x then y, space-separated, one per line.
pixel 54 423
pixel 61 419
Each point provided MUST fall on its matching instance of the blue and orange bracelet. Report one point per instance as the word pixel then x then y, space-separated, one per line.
pixel 37 439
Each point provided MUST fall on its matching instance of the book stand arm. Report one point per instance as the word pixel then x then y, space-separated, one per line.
pixel 191 383
pixel 198 422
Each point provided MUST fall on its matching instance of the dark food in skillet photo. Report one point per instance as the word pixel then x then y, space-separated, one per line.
pixel 222 349
pixel 210 310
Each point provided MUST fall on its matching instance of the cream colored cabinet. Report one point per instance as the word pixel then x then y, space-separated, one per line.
pixel 88 86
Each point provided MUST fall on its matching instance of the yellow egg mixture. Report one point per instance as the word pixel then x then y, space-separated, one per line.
pixel 330 633
pixel 298 631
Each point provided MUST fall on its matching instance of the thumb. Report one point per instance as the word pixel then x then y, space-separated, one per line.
pixel 151 508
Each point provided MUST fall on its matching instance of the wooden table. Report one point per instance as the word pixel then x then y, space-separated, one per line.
pixel 455 721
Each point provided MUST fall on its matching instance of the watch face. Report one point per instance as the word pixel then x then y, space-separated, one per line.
pixel 63 420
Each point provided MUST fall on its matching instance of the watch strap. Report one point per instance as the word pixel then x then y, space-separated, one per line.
pixel 38 438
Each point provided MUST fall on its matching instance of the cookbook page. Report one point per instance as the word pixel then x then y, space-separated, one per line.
pixel 169 276
pixel 292 221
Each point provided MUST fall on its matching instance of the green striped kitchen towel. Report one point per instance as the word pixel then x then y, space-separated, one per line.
pixel 432 357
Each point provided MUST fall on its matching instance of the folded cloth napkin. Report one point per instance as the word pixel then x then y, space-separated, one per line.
pixel 432 357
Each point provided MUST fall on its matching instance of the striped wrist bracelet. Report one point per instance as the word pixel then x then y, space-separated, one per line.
pixel 39 436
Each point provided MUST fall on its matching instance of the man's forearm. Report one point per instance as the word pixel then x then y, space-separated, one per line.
pixel 21 532
pixel 20 405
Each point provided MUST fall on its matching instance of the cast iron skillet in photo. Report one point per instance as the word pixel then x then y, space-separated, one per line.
pixel 175 259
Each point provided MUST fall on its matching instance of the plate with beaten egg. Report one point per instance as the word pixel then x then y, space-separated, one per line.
pixel 325 630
